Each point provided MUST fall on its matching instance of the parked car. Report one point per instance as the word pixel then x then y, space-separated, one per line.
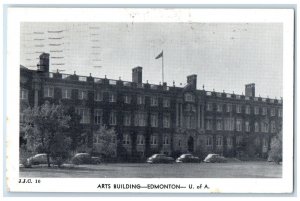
pixel 85 158
pixel 188 158
pixel 215 158
pixel 160 158
pixel 38 159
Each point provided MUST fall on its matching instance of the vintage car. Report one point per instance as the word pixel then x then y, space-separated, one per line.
pixel 37 159
pixel 215 158
pixel 160 158
pixel 188 158
pixel 85 158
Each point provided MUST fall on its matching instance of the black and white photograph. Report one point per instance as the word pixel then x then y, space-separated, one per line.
pixel 145 99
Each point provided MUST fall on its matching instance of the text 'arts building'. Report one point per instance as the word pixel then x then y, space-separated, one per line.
pixel 152 118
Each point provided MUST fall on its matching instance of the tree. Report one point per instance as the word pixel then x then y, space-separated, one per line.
pixel 275 153
pixel 107 142
pixel 44 127
pixel 74 131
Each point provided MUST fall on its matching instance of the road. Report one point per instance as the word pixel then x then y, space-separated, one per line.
pixel 143 170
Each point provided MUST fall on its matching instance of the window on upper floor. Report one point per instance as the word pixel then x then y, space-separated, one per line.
pixel 219 124
pixel 264 111
pixel 208 124
pixel 154 101
pixel 238 125
pixel 166 140
pixel 127 119
pixel 209 106
pixel 66 93
pixel 140 100
pixel 153 140
pixel 219 141
pixel 140 119
pixel 154 120
pixel 228 108
pixel 264 127
pixel 256 127
pixel 24 94
pixel 98 116
pixel 247 126
pixel 82 94
pixel 140 140
pixel 112 97
pixel 272 112
pixel 247 109
pixel 98 96
pixel 48 92
pixel 238 108
pixel 84 113
pixel 166 102
pixel 166 120
pixel 113 118
pixel 126 139
pixel 256 110
pixel 279 112
pixel 228 124
pixel 273 127
pixel 219 107
pixel 209 141
pixel 127 99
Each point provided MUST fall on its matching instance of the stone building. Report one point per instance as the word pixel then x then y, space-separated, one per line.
pixel 152 118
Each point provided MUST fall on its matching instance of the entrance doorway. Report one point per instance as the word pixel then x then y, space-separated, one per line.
pixel 191 144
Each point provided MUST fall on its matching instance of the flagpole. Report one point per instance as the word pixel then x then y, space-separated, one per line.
pixel 162 64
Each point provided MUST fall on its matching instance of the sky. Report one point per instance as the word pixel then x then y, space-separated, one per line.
pixel 225 56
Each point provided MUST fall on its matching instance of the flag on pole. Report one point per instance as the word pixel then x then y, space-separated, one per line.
pixel 160 55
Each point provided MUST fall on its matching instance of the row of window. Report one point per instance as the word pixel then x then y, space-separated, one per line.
pixel 229 108
pixel 228 125
pixel 140 118
pixel 229 141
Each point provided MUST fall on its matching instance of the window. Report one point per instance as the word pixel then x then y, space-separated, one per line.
pixel 209 124
pixel 127 119
pixel 256 127
pixel 273 127
pixel 190 121
pixel 153 140
pixel 209 107
pixel 82 95
pixel 264 111
pixel 140 140
pixel 189 97
pixel 166 102
pixel 140 119
pixel 229 124
pixel 126 139
pixel 219 124
pixel 98 96
pixel 113 118
pixel 209 140
pixel 247 109
pixel 219 141
pixel 24 94
pixel 166 140
pixel 247 126
pixel 112 97
pixel 154 101
pixel 98 116
pixel 49 92
pixel 166 120
pixel 127 99
pixel 238 109
pixel 154 120
pixel 228 108
pixel 239 125
pixel 22 117
pixel 66 93
pixel 84 114
pixel 264 127
pixel 219 108
pixel 140 100
pixel 256 110
pixel 272 112
pixel 265 142
pixel 229 141
pixel 279 112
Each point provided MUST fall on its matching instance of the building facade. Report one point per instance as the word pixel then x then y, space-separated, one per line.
pixel 151 118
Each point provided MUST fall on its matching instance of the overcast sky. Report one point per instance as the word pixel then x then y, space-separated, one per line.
pixel 224 56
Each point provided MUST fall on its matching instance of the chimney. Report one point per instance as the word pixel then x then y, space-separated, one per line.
pixel 137 75
pixel 192 81
pixel 250 90
pixel 44 62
